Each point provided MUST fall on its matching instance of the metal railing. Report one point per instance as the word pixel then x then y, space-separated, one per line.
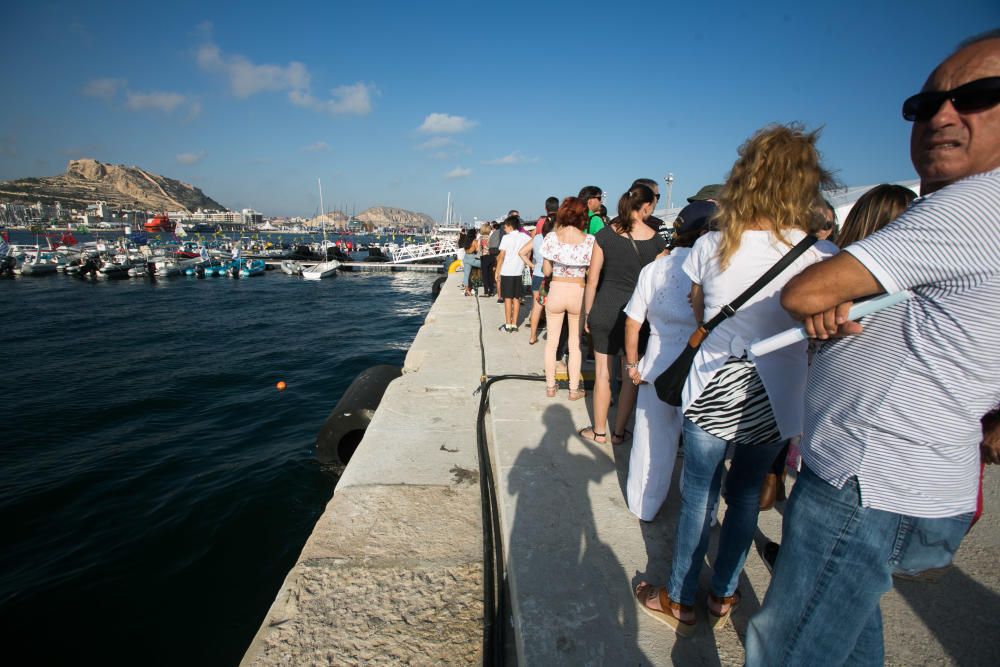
pixel 414 253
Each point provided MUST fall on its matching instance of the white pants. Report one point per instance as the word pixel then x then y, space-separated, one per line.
pixel 654 450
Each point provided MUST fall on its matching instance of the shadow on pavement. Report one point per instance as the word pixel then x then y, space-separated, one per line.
pixel 572 592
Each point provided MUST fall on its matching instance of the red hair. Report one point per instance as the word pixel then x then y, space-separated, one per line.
pixel 572 212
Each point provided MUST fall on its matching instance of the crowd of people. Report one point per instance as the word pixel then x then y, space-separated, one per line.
pixel 891 421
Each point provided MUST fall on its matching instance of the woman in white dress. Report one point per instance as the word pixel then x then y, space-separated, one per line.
pixel 660 296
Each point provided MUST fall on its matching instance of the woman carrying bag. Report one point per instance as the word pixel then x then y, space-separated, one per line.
pixel 766 210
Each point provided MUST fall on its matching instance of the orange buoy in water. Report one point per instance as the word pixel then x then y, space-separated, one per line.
pixel 281 385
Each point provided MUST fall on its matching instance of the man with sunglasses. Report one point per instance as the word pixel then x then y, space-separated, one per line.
pixel 898 417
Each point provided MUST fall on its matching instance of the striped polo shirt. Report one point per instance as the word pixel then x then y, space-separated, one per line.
pixel 899 405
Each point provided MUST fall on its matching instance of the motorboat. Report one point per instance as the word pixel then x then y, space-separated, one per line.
pixel 159 223
pixel 321 270
pixel 115 268
pixel 175 265
pixel 37 266
pixel 253 267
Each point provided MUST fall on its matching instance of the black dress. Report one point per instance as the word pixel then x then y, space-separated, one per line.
pixel 619 275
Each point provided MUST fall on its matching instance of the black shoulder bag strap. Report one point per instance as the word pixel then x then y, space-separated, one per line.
pixel 670 383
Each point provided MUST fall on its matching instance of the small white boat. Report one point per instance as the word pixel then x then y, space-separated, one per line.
pixel 329 267
pixel 172 266
pixel 321 270
pixel 39 263
pixel 37 267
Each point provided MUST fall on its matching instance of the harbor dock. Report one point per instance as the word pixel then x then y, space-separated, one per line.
pixel 372 266
pixel 393 570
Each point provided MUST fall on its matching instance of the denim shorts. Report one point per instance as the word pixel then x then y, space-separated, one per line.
pixel 536 282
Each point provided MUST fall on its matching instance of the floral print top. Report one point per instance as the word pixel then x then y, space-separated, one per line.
pixel 569 260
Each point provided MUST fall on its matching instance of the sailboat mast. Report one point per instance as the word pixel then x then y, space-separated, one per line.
pixel 322 211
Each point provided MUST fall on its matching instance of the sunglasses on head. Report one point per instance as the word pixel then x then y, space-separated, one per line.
pixel 974 96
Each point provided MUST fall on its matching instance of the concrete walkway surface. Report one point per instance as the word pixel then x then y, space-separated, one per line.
pixel 575 552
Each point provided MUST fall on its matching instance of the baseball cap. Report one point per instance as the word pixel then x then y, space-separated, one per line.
pixel 694 218
pixel 707 192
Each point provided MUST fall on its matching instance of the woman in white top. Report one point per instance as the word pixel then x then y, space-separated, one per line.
pixel 532 256
pixel 567 252
pixel 766 207
pixel 661 298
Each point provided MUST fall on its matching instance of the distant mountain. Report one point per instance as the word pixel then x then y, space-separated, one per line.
pixel 87 181
pixel 387 216
pixel 376 216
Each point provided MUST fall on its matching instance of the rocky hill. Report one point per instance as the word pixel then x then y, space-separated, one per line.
pixel 376 216
pixel 87 181
pixel 388 216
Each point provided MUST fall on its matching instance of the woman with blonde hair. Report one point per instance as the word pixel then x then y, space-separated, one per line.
pixel 873 211
pixel 765 209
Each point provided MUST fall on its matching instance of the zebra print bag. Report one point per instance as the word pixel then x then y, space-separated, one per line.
pixel 735 407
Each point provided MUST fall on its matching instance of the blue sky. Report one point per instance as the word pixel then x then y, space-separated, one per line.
pixel 501 104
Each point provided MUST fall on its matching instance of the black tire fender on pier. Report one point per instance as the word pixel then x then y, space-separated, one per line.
pixel 345 427
pixel 438 284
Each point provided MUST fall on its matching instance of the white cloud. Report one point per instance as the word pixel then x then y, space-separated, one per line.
pixel 513 158
pixel 194 110
pixel 318 147
pixel 458 172
pixel 436 142
pixel 105 89
pixel 190 158
pixel 159 101
pixel 442 123
pixel 246 78
pixel 352 99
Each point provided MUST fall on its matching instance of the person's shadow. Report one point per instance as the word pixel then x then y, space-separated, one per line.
pixel 572 602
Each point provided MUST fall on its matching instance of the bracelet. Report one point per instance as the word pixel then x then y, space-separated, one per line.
pixel 629 367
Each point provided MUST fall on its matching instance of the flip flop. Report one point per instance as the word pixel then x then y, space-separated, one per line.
pixel 594 435
pixel 665 613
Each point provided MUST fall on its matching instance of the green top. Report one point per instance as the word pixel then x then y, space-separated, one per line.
pixel 596 223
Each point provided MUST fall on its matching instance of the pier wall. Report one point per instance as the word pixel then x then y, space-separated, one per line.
pixel 392 572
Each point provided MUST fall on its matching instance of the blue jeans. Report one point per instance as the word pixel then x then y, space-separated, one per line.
pixel 467 269
pixel 836 561
pixel 704 456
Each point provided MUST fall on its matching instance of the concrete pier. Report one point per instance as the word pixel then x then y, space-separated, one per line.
pixel 392 571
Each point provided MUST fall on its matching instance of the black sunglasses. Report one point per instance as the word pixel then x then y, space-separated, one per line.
pixel 974 96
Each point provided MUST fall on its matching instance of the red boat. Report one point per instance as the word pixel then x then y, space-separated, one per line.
pixel 159 223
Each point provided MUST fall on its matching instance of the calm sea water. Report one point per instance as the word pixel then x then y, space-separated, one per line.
pixel 155 486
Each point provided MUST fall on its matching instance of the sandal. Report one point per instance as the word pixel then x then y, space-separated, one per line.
pixel 551 391
pixel 576 395
pixel 669 611
pixel 532 341
pixel 594 435
pixel 715 620
pixel 619 438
